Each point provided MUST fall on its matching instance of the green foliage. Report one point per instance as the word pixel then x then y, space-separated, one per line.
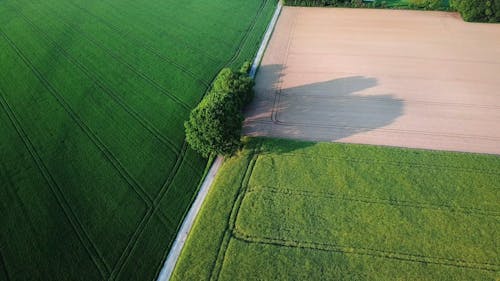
pixel 424 4
pixel 214 126
pixel 478 10
pixel 332 3
pixel 289 210
pixel 397 4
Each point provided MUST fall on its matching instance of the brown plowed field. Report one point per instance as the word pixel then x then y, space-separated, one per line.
pixel 388 77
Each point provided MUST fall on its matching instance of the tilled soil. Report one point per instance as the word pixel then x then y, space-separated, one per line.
pixel 387 77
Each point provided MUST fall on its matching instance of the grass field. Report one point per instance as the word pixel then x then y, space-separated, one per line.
pixel 285 210
pixel 95 175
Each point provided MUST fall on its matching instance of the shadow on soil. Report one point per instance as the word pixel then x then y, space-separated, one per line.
pixel 324 111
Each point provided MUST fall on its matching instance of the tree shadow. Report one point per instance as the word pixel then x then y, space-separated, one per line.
pixel 328 110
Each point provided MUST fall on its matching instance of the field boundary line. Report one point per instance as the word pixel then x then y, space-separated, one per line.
pixel 57 192
pixel 265 41
pixel 122 171
pixel 96 80
pixel 395 163
pixel 289 243
pixel 133 240
pixel 173 256
pixel 186 225
pixel 231 220
pixel 362 199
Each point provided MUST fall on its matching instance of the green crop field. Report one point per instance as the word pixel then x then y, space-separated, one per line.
pixel 286 210
pixel 95 175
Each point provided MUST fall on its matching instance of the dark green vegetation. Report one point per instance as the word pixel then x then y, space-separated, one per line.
pixel 285 210
pixel 214 126
pixel 95 173
pixel 478 10
pixel 440 5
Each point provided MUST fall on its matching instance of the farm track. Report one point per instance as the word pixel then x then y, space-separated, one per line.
pixel 147 217
pixel 290 243
pixel 370 200
pixel 145 46
pixel 397 163
pixel 119 59
pixel 124 173
pixel 91 75
pixel 83 235
pixel 231 223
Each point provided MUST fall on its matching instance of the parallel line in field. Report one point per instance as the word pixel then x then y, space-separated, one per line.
pixel 227 63
pixel 375 98
pixel 241 45
pixel 119 59
pixel 247 33
pixel 118 267
pixel 192 47
pixel 180 157
pixel 279 122
pixel 290 243
pixel 91 75
pixel 170 22
pixel 147 47
pixel 231 220
pixel 122 171
pixel 134 238
pixel 394 163
pixel 83 235
pixel 370 200
pixel 187 45
pixel 3 265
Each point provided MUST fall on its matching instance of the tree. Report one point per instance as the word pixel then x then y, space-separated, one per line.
pixel 478 10
pixel 214 126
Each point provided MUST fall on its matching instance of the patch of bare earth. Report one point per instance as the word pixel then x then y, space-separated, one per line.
pixel 388 77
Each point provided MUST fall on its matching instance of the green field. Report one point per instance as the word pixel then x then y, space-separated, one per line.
pixel 95 175
pixel 286 210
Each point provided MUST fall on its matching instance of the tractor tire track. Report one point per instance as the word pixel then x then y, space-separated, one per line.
pixel 96 80
pixel 92 136
pixel 83 235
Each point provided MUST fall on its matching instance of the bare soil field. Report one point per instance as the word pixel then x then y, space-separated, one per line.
pixel 388 77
